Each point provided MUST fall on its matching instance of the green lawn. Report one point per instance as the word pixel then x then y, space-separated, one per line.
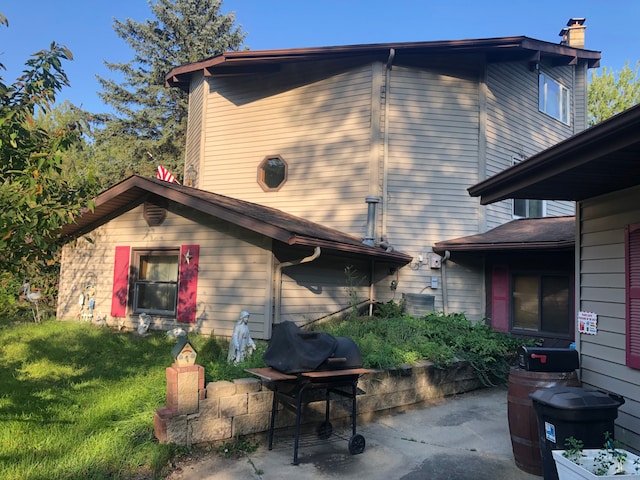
pixel 78 402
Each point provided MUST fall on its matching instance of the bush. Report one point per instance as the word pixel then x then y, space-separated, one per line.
pixel 400 340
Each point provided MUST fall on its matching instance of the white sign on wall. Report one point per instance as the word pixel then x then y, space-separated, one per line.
pixel 588 323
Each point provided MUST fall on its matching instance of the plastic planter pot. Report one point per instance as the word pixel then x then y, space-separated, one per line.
pixel 597 464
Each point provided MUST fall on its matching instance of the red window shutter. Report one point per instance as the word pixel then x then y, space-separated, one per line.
pixel 632 280
pixel 188 283
pixel 120 282
pixel 500 298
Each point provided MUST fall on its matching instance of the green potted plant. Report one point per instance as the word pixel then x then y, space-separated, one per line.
pixel 610 461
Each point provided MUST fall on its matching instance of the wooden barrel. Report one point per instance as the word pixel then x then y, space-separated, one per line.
pixel 523 422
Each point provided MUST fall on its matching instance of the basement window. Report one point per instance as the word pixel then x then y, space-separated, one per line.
pixel 272 173
pixel 554 99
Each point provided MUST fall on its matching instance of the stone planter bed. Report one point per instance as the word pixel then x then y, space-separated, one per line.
pixel 243 407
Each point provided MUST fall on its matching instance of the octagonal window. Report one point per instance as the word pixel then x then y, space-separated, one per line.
pixel 272 173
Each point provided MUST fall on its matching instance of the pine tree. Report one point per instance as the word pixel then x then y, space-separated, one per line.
pixel 149 121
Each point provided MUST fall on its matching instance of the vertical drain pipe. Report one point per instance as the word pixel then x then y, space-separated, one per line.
pixel 443 273
pixel 370 240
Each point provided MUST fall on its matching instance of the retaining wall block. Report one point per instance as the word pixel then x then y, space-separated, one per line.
pixel 234 405
pixel 250 423
pixel 221 388
pixel 260 402
pixel 247 385
pixel 204 429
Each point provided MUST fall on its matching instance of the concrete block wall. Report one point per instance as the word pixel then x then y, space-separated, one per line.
pixel 243 407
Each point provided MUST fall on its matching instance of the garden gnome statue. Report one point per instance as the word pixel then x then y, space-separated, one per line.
pixel 241 344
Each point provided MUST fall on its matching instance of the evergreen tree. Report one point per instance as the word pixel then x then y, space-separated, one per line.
pixel 611 93
pixel 149 123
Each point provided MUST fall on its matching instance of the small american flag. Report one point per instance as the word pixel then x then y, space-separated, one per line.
pixel 165 175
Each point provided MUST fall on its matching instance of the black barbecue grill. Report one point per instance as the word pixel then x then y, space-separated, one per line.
pixel 301 362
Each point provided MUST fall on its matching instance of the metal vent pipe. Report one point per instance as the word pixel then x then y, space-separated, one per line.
pixel 371 200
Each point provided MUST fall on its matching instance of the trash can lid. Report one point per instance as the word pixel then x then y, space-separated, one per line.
pixel 576 398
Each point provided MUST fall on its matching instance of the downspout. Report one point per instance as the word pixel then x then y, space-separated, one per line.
pixel 385 142
pixel 445 296
pixel 278 280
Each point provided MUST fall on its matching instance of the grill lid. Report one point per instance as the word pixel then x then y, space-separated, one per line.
pixel 294 350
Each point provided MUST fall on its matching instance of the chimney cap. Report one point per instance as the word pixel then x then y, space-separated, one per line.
pixel 576 21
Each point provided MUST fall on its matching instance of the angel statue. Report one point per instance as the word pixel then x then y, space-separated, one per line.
pixel 241 345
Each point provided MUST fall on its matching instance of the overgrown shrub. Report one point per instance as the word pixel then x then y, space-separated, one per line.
pixel 394 341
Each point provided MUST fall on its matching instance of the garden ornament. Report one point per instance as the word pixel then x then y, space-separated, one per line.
pixel 241 345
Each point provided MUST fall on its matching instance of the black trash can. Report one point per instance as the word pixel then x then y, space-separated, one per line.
pixel 564 412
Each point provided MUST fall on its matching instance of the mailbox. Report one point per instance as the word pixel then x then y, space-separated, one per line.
pixel 536 359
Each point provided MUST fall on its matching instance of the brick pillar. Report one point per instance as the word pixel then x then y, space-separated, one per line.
pixel 185 389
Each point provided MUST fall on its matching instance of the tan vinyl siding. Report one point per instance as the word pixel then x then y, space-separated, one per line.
pixel 195 140
pixel 234 270
pixel 602 290
pixel 314 290
pixel 317 119
pixel 433 159
pixel 515 127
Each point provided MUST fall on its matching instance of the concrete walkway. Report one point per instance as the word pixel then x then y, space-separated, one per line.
pixel 463 437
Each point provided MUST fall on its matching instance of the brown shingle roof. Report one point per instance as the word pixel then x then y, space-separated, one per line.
pixel 552 233
pixel 267 221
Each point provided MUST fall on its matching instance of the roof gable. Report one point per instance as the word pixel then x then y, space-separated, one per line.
pixel 273 223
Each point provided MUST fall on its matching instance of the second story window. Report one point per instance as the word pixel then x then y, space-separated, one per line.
pixel 272 173
pixel 523 208
pixel 554 99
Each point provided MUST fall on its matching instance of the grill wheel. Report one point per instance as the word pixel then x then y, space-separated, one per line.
pixel 356 444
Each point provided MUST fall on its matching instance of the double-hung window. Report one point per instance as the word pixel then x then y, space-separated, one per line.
pixel 155 283
pixel 554 99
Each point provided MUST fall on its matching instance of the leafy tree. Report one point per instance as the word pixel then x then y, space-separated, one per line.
pixel 36 198
pixel 149 122
pixel 611 93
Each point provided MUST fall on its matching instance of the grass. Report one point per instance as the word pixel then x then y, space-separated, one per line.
pixel 78 401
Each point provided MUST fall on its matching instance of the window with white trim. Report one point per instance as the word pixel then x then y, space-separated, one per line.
pixel 155 281
pixel 554 99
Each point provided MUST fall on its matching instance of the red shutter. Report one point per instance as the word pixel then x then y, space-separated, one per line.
pixel 120 282
pixel 500 298
pixel 632 280
pixel 188 283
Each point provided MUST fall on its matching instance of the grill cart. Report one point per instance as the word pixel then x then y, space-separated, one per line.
pixel 302 362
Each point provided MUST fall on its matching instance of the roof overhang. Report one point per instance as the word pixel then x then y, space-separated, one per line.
pixel 273 223
pixel 523 235
pixel 500 49
pixel 600 160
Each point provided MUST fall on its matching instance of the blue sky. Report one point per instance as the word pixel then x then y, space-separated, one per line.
pixel 86 27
